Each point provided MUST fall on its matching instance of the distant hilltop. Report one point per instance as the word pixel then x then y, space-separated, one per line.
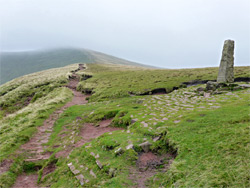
pixel 16 64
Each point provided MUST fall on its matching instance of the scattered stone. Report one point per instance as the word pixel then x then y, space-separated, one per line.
pixel 226 70
pixel 119 151
pixel 145 146
pixel 80 177
pixel 133 121
pixel 97 156
pixel 206 95
pixel 99 164
pixel 199 89
pixel 245 85
pixel 156 138
pixel 176 121
pixel 92 154
pixel 165 119
pixel 212 85
pixel 92 173
pixel 229 93
pixel 130 146
pixel 75 172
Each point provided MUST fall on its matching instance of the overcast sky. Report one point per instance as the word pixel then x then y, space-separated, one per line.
pixel 165 33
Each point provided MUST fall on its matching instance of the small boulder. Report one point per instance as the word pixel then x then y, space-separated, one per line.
pixel 119 151
pixel 199 89
pixel 211 85
pixel 206 95
pixel 99 164
pixel 130 146
pixel 145 146
pixel 156 138
pixel 92 173
pixel 80 177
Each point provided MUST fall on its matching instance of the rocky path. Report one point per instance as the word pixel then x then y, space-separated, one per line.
pixel 34 149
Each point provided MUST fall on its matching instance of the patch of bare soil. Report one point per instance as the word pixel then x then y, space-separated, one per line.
pixel 27 181
pixel 5 165
pixel 89 132
pixel 34 149
pixel 147 165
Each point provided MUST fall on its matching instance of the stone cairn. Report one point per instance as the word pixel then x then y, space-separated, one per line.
pixel 226 70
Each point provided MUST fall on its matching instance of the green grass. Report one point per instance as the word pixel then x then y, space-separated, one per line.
pixel 16 64
pixel 211 134
pixel 117 81
pixel 213 150
pixel 211 140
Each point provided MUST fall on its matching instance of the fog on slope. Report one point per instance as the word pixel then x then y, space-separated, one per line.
pixel 170 34
pixel 15 64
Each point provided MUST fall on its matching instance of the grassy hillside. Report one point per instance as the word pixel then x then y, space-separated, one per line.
pixel 115 81
pixel 205 140
pixel 16 64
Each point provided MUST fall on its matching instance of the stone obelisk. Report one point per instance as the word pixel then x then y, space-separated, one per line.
pixel 226 70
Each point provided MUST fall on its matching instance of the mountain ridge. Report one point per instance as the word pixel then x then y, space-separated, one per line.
pixel 14 64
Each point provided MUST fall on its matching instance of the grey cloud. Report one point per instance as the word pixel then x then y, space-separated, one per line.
pixel 165 33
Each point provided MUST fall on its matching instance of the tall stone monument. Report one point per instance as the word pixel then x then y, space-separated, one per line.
pixel 226 70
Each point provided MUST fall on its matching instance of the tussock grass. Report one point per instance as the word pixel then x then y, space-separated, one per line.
pixel 17 93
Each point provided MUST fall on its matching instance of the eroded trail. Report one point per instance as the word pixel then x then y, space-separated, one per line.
pixel 34 150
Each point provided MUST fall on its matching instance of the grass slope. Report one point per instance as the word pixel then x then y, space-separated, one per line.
pixel 210 135
pixel 15 64
pixel 114 81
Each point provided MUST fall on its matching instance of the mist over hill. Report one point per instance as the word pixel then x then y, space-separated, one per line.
pixel 16 64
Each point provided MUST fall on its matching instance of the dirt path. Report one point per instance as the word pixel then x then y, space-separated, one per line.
pixel 87 133
pixel 34 149
pixel 148 165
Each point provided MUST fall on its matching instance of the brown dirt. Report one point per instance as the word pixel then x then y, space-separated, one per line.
pixel 146 167
pixel 26 181
pixel 89 132
pixel 5 165
pixel 34 148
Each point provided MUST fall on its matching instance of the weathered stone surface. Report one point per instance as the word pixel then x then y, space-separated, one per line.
pixel 119 151
pixel 92 173
pixel 145 146
pixel 211 85
pixel 226 70
pixel 80 178
pixel 99 164
pixel 130 146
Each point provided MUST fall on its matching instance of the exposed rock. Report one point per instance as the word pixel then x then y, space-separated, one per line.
pixel 212 85
pixel 80 177
pixel 92 173
pixel 226 70
pixel 119 151
pixel 75 172
pixel 133 121
pixel 99 164
pixel 145 146
pixel 156 138
pixel 200 89
pixel 245 85
pixel 130 146
pixel 206 95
